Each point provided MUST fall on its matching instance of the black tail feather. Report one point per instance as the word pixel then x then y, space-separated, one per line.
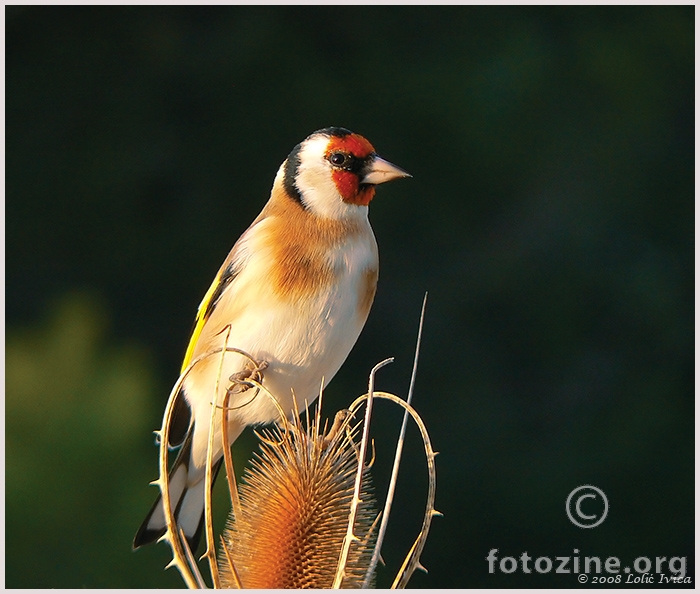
pixel 146 535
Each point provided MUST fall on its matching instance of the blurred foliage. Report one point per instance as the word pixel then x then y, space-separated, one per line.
pixel 75 409
pixel 550 217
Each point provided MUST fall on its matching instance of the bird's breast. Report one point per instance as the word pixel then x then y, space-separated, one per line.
pixel 297 305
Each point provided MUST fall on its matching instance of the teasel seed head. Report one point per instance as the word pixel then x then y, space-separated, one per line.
pixel 295 503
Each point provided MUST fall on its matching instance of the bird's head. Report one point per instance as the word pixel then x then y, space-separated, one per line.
pixel 333 173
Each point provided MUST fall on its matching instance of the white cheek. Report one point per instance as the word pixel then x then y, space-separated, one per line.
pixel 318 191
pixel 315 183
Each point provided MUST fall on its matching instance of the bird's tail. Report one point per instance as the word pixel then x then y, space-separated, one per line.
pixel 186 497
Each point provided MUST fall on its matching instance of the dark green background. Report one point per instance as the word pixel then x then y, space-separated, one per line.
pixel 550 218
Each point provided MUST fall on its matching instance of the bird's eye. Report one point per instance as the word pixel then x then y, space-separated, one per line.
pixel 338 159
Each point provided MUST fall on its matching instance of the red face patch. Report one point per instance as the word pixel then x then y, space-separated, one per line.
pixel 348 186
pixel 347 182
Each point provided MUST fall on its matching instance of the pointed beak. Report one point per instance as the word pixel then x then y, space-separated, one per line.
pixel 379 171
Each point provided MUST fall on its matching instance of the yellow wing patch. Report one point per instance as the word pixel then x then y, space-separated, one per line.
pixel 202 315
pixel 222 280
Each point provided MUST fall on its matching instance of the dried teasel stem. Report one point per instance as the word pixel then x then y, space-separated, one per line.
pixel 412 560
pixel 350 535
pixel 228 459
pixel 231 479
pixel 210 553
pixel 189 572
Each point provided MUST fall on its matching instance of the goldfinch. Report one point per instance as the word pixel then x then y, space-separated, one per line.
pixel 294 293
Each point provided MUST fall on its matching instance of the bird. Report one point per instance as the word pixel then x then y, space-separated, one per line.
pixel 293 293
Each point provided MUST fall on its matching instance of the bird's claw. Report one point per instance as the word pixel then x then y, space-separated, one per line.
pixel 243 380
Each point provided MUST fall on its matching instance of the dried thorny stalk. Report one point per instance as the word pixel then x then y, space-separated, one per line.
pixel 304 517
pixel 412 560
pixel 350 535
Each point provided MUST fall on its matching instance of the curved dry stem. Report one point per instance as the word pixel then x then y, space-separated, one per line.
pixel 226 444
pixel 228 460
pixel 350 534
pixel 412 560
pixel 172 536
pixel 210 553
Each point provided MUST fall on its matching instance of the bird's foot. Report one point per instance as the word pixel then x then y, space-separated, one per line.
pixel 247 378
